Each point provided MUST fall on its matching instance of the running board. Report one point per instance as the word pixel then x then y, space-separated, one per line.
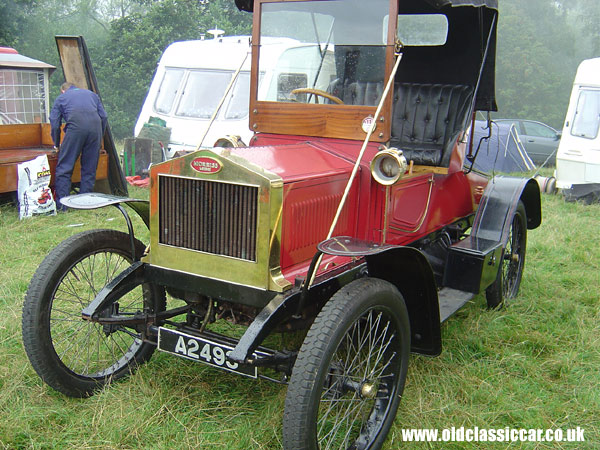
pixel 451 300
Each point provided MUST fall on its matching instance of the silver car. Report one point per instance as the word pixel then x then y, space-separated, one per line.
pixel 540 140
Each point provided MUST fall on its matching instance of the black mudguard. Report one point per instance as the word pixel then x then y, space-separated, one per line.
pixel 499 203
pixel 95 200
pixel 408 269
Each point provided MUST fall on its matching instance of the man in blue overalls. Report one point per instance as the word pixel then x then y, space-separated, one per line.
pixel 85 120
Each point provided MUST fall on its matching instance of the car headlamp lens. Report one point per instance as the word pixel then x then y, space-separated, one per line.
pixel 388 166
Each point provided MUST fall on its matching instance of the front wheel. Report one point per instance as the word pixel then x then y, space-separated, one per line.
pixel 350 372
pixel 72 355
pixel 509 275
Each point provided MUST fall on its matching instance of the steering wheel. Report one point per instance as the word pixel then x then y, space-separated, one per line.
pixel 318 92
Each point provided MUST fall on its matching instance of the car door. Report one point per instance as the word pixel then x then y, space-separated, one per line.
pixel 540 141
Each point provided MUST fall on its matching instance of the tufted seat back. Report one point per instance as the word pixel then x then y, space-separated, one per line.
pixel 358 93
pixel 427 119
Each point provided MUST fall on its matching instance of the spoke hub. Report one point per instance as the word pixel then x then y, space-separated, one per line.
pixel 112 310
pixel 368 390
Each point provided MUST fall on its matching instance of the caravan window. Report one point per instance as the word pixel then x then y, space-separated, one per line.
pixel 22 96
pixel 587 114
pixel 202 93
pixel 168 90
pixel 240 97
pixel 287 82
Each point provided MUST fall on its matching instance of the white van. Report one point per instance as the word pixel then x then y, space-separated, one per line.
pixel 193 77
pixel 578 156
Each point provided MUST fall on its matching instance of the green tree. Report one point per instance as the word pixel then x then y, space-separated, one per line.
pixel 13 18
pixel 60 17
pixel 585 19
pixel 540 45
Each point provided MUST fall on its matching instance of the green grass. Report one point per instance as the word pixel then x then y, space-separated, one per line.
pixel 533 364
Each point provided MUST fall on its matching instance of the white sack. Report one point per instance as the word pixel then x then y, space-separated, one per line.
pixel 35 196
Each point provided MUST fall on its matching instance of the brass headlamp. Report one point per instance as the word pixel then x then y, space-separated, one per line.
pixel 229 141
pixel 388 166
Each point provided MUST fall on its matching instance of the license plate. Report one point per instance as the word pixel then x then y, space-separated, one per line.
pixel 201 350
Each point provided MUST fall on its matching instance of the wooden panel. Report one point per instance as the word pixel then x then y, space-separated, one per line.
pixel 20 135
pixel 46 136
pixel 18 155
pixel 317 120
pixel 26 136
pixel 419 170
pixel 72 63
pixel 9 159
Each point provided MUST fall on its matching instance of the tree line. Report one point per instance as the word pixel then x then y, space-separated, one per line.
pixel 540 44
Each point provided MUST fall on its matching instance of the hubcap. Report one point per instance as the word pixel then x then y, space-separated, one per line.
pixel 368 390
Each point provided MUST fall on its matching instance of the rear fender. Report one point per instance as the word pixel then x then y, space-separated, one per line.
pixel 499 203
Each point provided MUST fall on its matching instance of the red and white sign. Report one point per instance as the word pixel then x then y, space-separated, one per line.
pixel 205 164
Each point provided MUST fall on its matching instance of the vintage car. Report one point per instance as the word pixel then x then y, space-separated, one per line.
pixel 354 216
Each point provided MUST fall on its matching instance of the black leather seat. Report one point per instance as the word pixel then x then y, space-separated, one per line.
pixel 427 119
pixel 358 92
pixel 360 79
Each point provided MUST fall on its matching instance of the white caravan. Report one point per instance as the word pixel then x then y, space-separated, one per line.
pixel 195 80
pixel 578 156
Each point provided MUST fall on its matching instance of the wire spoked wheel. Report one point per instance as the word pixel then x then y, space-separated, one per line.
pixel 350 372
pixel 510 273
pixel 76 356
pixel 360 378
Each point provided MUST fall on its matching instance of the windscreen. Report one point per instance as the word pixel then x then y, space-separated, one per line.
pixel 329 56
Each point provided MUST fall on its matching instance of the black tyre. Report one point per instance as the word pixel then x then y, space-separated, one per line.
pixel 74 356
pixel 509 275
pixel 350 372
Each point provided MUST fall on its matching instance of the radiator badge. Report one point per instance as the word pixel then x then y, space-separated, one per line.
pixel 206 164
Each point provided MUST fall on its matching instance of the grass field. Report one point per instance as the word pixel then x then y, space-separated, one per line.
pixel 533 364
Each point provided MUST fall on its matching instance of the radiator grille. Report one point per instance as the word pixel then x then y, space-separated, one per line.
pixel 208 216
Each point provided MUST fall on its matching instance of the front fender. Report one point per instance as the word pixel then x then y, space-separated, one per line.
pixel 408 269
pixel 95 200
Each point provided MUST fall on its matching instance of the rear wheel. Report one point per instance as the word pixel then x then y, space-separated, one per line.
pixel 74 356
pixel 350 372
pixel 509 275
